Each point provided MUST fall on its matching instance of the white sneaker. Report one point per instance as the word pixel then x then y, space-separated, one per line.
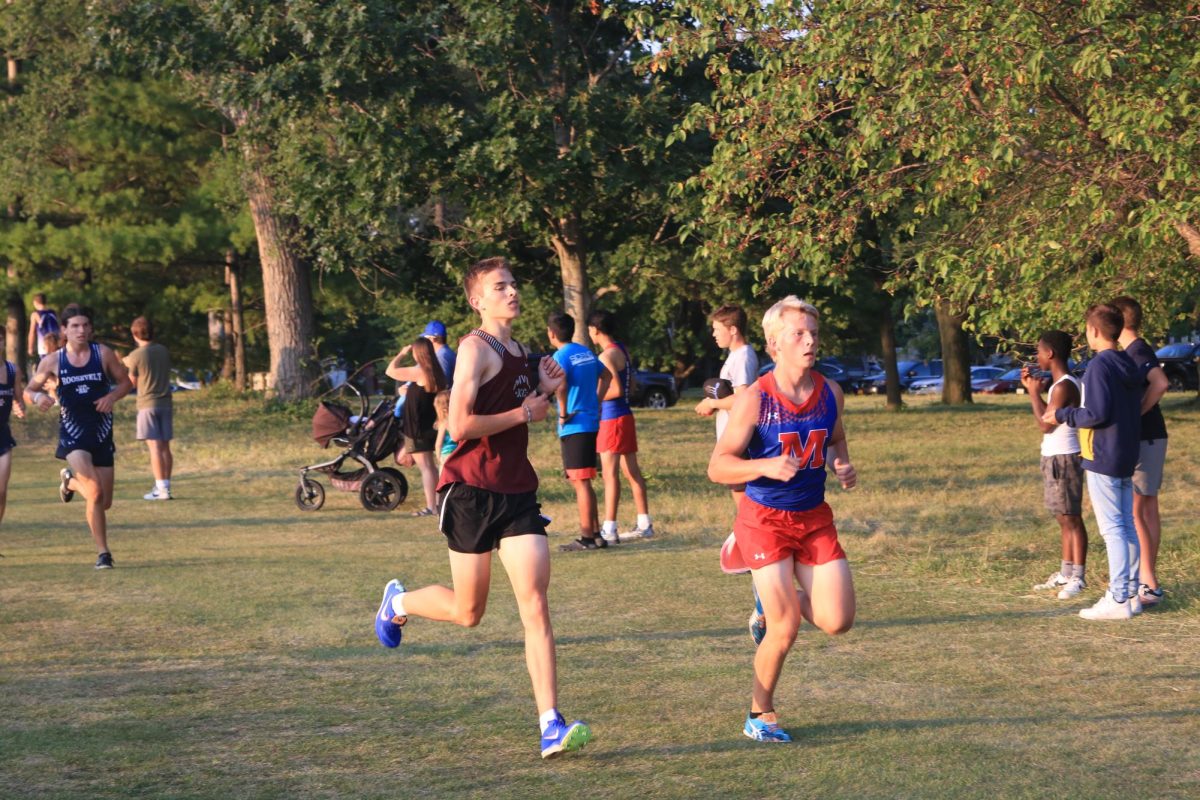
pixel 1135 605
pixel 1107 609
pixel 611 538
pixel 1053 582
pixel 157 494
pixel 638 533
pixel 1073 587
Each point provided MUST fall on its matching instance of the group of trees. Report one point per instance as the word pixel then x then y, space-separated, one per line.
pixel 331 168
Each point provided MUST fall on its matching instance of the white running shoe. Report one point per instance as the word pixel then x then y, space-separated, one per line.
pixel 1135 605
pixel 1053 582
pixel 157 494
pixel 1073 587
pixel 638 533
pixel 1107 608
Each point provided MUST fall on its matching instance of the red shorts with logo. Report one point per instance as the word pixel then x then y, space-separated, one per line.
pixel 617 436
pixel 765 535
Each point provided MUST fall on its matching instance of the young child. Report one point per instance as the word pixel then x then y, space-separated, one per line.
pixel 1062 465
pixel 446 445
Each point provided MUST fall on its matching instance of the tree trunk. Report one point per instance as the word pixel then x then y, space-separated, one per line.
pixel 16 329
pixel 956 359
pixel 572 263
pixel 887 343
pixel 287 295
pixel 233 277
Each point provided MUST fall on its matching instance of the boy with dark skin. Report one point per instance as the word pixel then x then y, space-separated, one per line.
pixel 1062 469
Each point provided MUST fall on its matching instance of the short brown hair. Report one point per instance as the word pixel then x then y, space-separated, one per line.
pixel 1131 310
pixel 730 317
pixel 1106 319
pixel 142 329
pixel 481 268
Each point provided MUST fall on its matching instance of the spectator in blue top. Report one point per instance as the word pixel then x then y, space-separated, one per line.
pixel 578 422
pixel 1109 422
pixel 435 332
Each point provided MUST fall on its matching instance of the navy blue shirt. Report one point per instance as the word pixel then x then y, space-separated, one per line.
pixel 1154 427
pixel 1110 417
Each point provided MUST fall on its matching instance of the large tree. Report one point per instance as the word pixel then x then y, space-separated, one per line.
pixel 1030 157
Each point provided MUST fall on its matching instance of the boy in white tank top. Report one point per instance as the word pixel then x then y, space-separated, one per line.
pixel 1062 467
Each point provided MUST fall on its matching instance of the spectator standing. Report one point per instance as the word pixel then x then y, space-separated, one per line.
pixel 1152 449
pixel 616 440
pixel 435 332
pixel 43 322
pixel 1062 465
pixel 1109 423
pixel 419 417
pixel 578 423
pixel 149 368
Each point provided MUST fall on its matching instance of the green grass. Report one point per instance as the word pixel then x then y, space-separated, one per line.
pixel 230 654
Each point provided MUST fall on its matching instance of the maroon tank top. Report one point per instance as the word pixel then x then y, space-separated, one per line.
pixel 500 462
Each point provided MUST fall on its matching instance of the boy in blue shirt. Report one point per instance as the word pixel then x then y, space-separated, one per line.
pixel 578 422
pixel 1109 423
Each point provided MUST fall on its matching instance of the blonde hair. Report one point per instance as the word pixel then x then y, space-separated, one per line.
pixel 773 319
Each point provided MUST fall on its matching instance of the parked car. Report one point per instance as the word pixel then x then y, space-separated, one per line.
pixel 1178 361
pixel 654 390
pixel 909 371
pixel 184 380
pixel 979 376
pixel 831 368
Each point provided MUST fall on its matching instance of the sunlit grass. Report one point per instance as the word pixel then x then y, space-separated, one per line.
pixel 230 653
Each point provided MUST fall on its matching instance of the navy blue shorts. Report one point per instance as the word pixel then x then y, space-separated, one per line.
pixel 102 453
pixel 6 439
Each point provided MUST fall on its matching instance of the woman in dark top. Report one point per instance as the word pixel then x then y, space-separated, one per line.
pixel 419 422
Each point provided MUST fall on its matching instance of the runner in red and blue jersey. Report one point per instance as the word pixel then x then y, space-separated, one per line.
pixel 777 442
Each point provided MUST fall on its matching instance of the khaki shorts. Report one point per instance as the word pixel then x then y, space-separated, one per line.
pixel 1062 480
pixel 1147 475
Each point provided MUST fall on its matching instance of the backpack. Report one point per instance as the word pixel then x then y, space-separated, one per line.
pixel 47 323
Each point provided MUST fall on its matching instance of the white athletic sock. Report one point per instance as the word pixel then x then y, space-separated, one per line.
pixel 545 719
pixel 163 485
pixel 643 521
pixel 398 605
pixel 609 527
pixel 1066 570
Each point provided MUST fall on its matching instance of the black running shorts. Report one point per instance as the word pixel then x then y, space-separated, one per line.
pixel 474 520
pixel 579 454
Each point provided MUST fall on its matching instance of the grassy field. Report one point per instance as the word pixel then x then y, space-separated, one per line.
pixel 231 654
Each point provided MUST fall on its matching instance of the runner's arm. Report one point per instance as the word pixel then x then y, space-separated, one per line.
pixel 33 318
pixel 842 467
pixel 18 395
pixel 607 377
pixel 728 466
pixel 1157 388
pixel 34 393
pixel 474 356
pixel 119 375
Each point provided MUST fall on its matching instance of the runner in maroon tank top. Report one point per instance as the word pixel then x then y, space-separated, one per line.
pixel 487 499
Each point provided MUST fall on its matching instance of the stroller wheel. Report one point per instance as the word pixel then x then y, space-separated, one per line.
pixel 400 479
pixel 310 495
pixel 380 491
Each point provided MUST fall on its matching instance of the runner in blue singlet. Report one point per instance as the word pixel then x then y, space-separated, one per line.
pixel 90 380
pixel 10 398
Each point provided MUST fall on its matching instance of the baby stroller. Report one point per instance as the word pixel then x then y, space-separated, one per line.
pixel 367 439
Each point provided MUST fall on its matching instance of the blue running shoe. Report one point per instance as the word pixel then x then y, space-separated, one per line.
pixel 765 729
pixel 758 620
pixel 563 738
pixel 389 631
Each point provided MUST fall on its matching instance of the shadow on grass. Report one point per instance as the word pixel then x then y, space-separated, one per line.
pixel 816 735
